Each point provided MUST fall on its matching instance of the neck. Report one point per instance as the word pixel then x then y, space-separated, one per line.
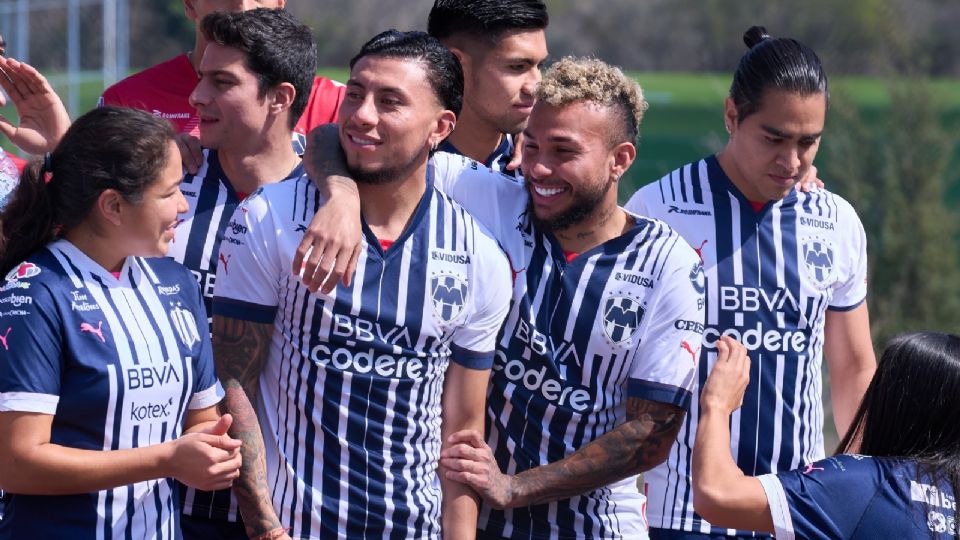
pixel 730 168
pixel 270 161
pixel 474 138
pixel 96 244
pixel 606 223
pixel 388 208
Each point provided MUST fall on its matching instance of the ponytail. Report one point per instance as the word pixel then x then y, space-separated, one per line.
pixel 29 220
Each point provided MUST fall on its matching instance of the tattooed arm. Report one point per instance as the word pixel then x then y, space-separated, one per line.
pixel 240 349
pixel 637 445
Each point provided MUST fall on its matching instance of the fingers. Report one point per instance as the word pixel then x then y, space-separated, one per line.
pixel 467 436
pixel 351 267
pixel 221 427
pixel 191 153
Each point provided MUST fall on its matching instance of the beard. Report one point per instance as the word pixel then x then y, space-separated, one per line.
pixel 385 174
pixel 585 204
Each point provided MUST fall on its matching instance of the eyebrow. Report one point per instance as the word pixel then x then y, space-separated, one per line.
pixel 389 89
pixel 553 138
pixel 784 135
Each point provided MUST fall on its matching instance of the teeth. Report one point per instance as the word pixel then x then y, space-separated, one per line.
pixel 547 192
pixel 359 140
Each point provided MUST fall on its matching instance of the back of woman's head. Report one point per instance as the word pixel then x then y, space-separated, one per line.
pixel 774 64
pixel 107 148
pixel 912 406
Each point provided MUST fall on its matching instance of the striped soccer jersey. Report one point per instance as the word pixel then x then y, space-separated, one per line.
pixel 861 498
pixel 200 230
pixel 771 275
pixel 618 321
pixel 350 397
pixel 496 161
pixel 117 362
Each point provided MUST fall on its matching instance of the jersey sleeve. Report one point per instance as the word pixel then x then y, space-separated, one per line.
pixel 489 196
pixel 664 363
pixel 851 289
pixel 473 343
pixel 31 359
pixel 638 203
pixel 249 272
pixel 206 387
pixel 827 499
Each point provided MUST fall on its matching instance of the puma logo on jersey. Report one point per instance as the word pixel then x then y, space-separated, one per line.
pixel 224 262
pixel 694 353
pixel 3 339
pixel 699 250
pixel 98 331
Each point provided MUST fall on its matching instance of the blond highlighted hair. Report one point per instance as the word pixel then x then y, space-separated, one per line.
pixel 575 80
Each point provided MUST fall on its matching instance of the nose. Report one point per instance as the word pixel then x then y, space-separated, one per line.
pixel 789 159
pixel 535 168
pixel 199 96
pixel 182 205
pixel 365 113
pixel 533 80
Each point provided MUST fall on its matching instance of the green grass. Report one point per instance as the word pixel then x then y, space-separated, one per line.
pixel 684 121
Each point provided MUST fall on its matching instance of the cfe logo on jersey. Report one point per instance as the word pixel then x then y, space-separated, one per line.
pixel 818 260
pixel 621 317
pixel 185 324
pixel 449 295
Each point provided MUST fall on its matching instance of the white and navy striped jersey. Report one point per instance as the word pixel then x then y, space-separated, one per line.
pixel 582 336
pixel 212 201
pixel 117 362
pixel 861 498
pixel 497 161
pixel 771 275
pixel 350 396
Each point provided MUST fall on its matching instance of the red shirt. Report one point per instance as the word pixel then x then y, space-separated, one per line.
pixel 165 88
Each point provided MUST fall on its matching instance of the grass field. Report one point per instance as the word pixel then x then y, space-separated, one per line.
pixel 684 121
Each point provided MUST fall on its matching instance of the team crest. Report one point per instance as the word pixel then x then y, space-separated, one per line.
pixel 698 279
pixel 449 296
pixel 621 318
pixel 818 260
pixel 185 324
pixel 24 270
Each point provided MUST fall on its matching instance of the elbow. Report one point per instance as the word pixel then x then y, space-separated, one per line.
pixel 654 457
pixel 708 502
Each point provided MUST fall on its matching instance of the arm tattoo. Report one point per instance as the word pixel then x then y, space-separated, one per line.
pixel 638 445
pixel 240 349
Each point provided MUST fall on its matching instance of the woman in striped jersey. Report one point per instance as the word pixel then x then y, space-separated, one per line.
pixel 906 424
pixel 107 387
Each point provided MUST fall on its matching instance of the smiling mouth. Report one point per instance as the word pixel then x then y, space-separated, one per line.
pixel 544 191
pixel 362 141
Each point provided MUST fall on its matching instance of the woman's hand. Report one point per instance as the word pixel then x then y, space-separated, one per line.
pixel 724 388
pixel 208 459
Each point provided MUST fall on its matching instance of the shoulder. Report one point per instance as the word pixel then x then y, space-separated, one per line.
pixel 653 233
pixel 174 70
pixel 39 278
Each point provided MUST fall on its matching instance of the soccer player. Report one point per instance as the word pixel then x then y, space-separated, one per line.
pixel 592 375
pixel 500 44
pixel 785 274
pixel 107 389
pixel 255 77
pixel 165 88
pixel 356 391
pixel 905 486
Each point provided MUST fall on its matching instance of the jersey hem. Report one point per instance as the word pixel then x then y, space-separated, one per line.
pixel 779 508
pixel 847 308
pixel 206 398
pixel 28 402
pixel 471 359
pixel 662 393
pixel 245 311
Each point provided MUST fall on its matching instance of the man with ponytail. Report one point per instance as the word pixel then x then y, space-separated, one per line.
pixel 785 274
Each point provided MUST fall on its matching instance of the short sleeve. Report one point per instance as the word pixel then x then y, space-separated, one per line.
pixel 31 359
pixel 665 361
pixel 249 271
pixel 851 288
pixel 638 203
pixel 206 388
pixel 473 343
pixel 826 499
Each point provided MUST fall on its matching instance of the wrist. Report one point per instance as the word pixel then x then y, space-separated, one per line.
pixel 157 460
pixel 272 534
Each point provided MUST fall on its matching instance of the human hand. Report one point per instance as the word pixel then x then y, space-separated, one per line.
pixel 470 461
pixel 207 459
pixel 515 159
pixel 810 181
pixel 723 391
pixel 43 118
pixel 328 253
pixel 191 153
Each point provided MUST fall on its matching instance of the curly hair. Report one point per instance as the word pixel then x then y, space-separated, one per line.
pixel 573 80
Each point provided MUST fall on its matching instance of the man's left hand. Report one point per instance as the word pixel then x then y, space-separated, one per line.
pixel 470 461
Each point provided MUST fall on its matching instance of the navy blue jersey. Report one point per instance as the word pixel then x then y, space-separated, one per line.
pixel 497 161
pixel 350 395
pixel 860 498
pixel 211 201
pixel 771 275
pixel 117 362
pixel 620 320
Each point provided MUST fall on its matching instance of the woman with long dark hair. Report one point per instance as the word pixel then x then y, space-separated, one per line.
pixel 107 389
pixel 902 482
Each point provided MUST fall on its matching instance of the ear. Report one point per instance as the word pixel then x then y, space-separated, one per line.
pixel 730 115
pixel 443 128
pixel 110 206
pixel 282 97
pixel 622 155
pixel 462 56
pixel 190 8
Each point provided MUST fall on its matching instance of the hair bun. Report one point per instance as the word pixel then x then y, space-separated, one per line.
pixel 755 35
